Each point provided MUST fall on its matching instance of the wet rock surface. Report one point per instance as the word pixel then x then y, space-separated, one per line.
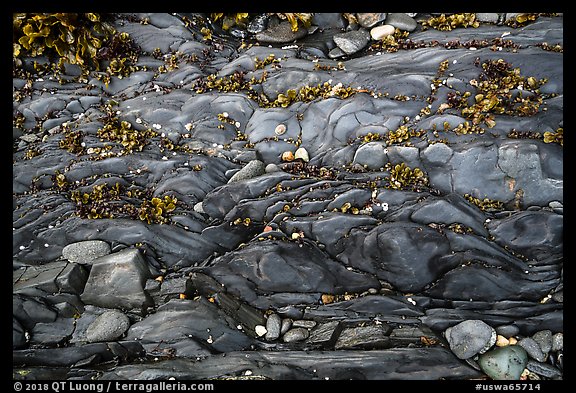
pixel 310 204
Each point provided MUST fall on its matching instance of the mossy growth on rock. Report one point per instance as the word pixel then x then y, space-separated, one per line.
pixel 402 176
pixel 113 201
pixel 241 19
pixel 122 132
pixel 485 204
pixel 450 22
pixel 555 137
pixel 84 39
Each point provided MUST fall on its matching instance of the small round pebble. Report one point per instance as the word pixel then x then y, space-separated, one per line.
pixel 379 32
pixel 273 325
pixel 295 334
pixel 280 129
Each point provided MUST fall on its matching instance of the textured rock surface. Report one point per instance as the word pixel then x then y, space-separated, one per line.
pixel 421 202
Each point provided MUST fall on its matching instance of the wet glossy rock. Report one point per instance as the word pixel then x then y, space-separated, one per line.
pixel 352 41
pixel 401 21
pixel 295 334
pixel 118 280
pixel 506 363
pixel 470 337
pixel 281 33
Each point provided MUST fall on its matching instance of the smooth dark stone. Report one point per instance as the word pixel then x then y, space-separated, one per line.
pixel 118 280
pixel 399 363
pixel 69 356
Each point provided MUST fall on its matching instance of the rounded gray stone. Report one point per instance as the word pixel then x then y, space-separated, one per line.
pixel 85 251
pixel 487 17
pixel 558 342
pixel 295 334
pixel 372 155
pixel 272 168
pixel 532 348
pixel 504 363
pixel 281 33
pixel 352 41
pixel 507 330
pixel 286 325
pixel 544 339
pixel 470 337
pixel 108 326
pixel 273 325
pixel 253 169
pixel 437 153
pixel 401 21
pixel 370 19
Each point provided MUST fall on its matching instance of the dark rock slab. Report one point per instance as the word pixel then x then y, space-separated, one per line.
pixel 325 334
pixel 408 256
pixel 52 333
pixel 90 354
pixel 18 336
pixel 52 277
pixel 273 266
pixel 492 284
pixel 281 33
pixel 117 281
pixel 398 363
pixel 364 337
pixel 535 234
pixel 196 326
pixel 29 310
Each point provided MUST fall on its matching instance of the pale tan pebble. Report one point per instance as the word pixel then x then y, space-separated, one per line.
pixel 287 156
pixel 512 341
pixel 502 341
pixel 379 32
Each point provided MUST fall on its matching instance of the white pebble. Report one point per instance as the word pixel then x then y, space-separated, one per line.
pixel 22 247
pixel 164 158
pixel 248 372
pixel 45 244
pixel 143 98
pixel 260 330
pixel 138 120
pixel 454 61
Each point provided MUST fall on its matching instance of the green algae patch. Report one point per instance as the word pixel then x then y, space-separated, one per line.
pixel 447 23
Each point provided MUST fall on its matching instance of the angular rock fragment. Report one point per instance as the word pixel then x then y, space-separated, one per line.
pixel 117 281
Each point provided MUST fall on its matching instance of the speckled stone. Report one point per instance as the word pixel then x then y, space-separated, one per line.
pixel 504 363
pixel 85 251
